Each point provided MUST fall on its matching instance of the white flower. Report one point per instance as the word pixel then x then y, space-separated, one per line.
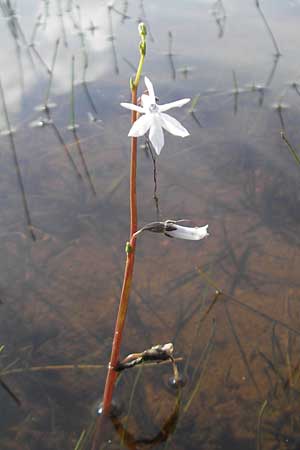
pixel 154 118
pixel 171 229
pixel 190 233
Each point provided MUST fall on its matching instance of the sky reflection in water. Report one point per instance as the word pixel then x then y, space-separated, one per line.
pixel 234 172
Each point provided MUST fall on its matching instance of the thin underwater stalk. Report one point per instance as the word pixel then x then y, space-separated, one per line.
pixel 241 349
pixel 112 40
pixel 83 161
pixel 170 55
pixel 204 361
pixel 80 440
pixel 35 29
pixel 290 147
pixel 200 322
pixel 63 144
pixel 57 367
pixel 17 166
pixel 253 310
pixel 72 101
pixel 10 392
pixel 259 424
pixel 136 380
pixel 60 367
pixel 235 92
pixel 112 374
pixel 51 73
pixel 268 28
pixel 41 60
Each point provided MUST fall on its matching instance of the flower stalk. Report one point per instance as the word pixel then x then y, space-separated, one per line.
pixel 112 374
pixel 130 256
pixel 154 120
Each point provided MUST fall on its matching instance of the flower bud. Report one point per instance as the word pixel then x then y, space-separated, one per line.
pixel 142 30
pixel 143 48
pixel 168 348
pixel 189 233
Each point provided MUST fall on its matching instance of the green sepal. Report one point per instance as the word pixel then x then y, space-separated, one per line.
pixel 131 83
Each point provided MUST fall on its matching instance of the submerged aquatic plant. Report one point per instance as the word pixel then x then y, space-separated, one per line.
pixel 154 119
pixel 6 387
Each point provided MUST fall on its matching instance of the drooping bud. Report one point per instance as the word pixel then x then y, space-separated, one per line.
pixel 168 348
pixel 189 233
pixel 171 229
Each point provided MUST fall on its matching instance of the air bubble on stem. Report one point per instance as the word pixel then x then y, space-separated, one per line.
pixel 116 409
pixel 177 383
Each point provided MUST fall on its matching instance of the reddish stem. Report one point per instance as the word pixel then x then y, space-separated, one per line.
pixel 123 305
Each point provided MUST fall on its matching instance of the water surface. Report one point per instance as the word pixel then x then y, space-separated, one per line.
pixel 60 291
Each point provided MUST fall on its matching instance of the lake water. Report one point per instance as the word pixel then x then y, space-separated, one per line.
pixel 64 223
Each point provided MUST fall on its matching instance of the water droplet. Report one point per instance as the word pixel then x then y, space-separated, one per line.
pixel 8 132
pixel 39 123
pixel 72 127
pixel 45 106
pixel 177 383
pixel 115 411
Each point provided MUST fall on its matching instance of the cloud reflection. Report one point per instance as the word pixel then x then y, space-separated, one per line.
pixel 23 66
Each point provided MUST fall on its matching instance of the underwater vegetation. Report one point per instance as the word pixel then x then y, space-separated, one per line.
pixel 181 213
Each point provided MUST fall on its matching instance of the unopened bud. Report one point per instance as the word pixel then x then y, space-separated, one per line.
pixel 168 348
pixel 143 48
pixel 142 30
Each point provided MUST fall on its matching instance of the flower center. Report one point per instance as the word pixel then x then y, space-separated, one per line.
pixel 153 107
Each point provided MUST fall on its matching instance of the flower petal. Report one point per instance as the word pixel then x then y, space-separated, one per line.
pixel 173 126
pixel 132 107
pixel 189 233
pixel 146 101
pixel 140 126
pixel 156 134
pixel 176 104
pixel 150 89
